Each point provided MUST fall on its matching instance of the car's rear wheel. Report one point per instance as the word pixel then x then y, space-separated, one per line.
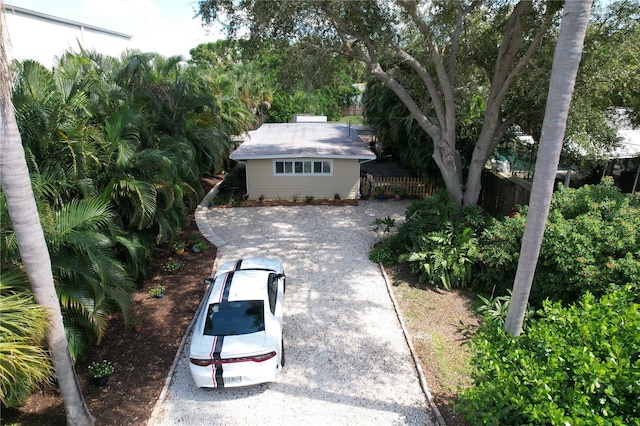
pixel 282 354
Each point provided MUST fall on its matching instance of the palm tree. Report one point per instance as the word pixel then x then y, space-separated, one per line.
pixel 14 177
pixel 563 76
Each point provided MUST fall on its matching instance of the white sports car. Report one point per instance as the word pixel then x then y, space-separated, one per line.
pixel 237 339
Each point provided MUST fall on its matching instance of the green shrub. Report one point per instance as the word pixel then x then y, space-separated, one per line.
pixel 591 243
pixel 440 237
pixel 234 186
pixel 383 254
pixel 577 365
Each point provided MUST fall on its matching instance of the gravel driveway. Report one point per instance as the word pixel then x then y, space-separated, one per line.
pixel 347 360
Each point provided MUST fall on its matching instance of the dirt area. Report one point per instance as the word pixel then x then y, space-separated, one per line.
pixel 437 322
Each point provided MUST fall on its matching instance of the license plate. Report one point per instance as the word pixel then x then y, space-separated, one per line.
pixel 232 380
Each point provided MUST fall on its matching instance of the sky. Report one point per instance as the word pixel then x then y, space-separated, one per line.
pixel 167 27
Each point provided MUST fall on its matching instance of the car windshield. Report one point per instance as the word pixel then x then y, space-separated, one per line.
pixel 233 318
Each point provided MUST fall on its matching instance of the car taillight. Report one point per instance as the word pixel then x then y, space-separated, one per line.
pixel 254 358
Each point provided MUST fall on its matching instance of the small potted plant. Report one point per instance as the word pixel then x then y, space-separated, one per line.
pixel 157 291
pixel 100 372
pixel 379 193
pixel 178 246
pixel 399 192
pixel 200 246
pixel 136 323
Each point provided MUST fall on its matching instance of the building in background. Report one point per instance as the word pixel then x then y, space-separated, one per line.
pixel 43 37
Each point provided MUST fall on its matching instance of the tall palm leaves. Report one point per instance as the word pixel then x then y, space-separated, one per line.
pixel 116 149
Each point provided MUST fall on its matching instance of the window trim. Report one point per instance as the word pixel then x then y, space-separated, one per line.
pixel 287 166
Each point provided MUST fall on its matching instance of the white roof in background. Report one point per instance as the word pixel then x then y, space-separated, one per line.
pixel 297 140
pixel 630 138
pixel 629 146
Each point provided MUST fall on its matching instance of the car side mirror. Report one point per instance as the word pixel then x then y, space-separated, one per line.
pixel 209 281
pixel 281 276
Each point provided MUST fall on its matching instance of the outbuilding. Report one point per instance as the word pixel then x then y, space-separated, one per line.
pixel 298 160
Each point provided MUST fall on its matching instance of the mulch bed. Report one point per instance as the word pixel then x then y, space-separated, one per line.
pixel 141 359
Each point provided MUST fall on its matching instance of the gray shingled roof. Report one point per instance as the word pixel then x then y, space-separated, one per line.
pixel 295 140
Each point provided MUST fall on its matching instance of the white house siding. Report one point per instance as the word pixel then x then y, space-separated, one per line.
pixel 42 37
pixel 343 181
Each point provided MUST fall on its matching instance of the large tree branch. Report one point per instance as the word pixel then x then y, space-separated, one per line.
pixel 376 70
pixel 426 78
pixel 505 74
pixel 455 39
pixel 410 6
pixel 406 98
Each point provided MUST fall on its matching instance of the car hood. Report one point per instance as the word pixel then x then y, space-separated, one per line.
pixel 232 346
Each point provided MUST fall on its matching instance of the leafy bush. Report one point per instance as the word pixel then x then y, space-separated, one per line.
pixel 233 187
pixel 577 365
pixel 383 254
pixel 441 242
pixel 591 243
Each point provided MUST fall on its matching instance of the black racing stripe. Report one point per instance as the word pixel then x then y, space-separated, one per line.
pixel 238 265
pixel 218 376
pixel 219 380
pixel 218 348
pixel 227 287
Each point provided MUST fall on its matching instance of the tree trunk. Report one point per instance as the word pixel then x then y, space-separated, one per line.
pixel 16 184
pixel 563 76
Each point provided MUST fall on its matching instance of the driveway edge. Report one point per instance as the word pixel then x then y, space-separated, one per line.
pixel 416 362
pixel 207 231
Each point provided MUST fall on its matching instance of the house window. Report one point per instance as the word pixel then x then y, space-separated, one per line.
pixel 303 167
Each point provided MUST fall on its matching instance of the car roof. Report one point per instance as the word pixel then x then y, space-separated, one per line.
pixel 244 285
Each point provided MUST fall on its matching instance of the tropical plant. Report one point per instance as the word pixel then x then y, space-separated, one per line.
pixel 24 361
pixel 21 208
pixel 383 226
pixel 440 241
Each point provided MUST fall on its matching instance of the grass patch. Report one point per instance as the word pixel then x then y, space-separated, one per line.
pixel 438 323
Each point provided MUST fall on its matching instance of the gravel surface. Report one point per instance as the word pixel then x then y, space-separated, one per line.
pixel 347 360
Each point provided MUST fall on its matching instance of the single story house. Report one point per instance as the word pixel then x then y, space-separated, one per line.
pixel 298 160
